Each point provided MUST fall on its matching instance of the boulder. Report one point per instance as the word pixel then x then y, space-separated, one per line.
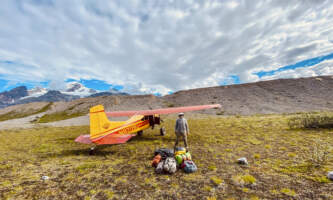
pixel 330 175
pixel 242 161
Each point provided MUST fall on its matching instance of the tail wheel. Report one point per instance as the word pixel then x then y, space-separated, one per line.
pixel 92 150
pixel 162 131
pixel 140 133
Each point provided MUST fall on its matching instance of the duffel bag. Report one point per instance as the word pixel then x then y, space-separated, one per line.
pixel 179 150
pixel 156 160
pixel 189 166
pixel 170 165
pixel 159 168
pixel 164 152
pixel 180 158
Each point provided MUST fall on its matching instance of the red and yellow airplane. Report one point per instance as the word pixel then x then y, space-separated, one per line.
pixel 103 131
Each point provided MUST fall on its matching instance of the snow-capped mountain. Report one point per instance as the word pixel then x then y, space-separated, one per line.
pixel 12 96
pixel 75 88
pixel 36 92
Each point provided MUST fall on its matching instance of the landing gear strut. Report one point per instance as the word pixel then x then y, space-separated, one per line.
pixel 162 131
pixel 139 133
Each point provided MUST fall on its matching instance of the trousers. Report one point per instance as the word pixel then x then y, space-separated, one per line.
pixel 180 135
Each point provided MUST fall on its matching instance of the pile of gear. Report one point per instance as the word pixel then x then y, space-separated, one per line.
pixel 167 161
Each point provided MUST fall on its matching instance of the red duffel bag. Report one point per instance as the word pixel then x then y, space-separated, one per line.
pixel 156 160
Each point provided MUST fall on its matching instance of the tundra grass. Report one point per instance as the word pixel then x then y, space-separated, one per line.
pixel 284 163
pixel 58 116
pixel 15 115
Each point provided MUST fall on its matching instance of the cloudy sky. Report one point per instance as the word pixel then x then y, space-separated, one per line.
pixel 160 46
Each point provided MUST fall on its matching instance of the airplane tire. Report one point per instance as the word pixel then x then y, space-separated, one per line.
pixel 162 131
pixel 92 151
pixel 140 133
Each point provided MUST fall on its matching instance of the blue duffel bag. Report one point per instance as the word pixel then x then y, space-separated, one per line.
pixel 189 166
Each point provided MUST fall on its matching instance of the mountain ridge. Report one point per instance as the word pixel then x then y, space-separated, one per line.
pixel 74 90
pixel 264 97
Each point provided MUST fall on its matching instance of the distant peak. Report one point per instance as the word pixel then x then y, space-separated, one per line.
pixel 74 86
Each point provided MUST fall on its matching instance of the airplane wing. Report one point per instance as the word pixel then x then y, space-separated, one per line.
pixel 161 111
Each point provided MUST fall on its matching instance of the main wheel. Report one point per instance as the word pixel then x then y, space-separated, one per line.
pixel 162 131
pixel 140 133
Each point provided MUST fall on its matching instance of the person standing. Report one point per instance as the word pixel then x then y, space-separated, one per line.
pixel 181 130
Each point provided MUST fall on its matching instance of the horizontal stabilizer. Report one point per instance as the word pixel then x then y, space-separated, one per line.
pixel 85 139
pixel 110 139
pixel 114 139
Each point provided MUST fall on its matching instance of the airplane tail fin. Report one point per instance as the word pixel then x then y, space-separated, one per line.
pixel 100 126
pixel 99 123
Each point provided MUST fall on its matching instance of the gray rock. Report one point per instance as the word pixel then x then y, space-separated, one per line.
pixel 242 161
pixel 330 175
pixel 44 178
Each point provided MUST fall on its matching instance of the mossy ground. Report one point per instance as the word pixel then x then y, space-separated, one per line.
pixel 58 116
pixel 280 163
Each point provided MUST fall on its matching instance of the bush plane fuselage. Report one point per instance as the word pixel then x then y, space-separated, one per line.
pixel 104 131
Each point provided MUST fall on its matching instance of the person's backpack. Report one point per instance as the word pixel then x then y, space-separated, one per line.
pixel 159 168
pixel 181 157
pixel 170 165
pixel 189 166
pixel 179 153
pixel 180 149
pixel 164 153
pixel 156 160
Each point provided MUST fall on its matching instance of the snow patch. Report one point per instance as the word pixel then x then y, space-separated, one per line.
pixel 75 88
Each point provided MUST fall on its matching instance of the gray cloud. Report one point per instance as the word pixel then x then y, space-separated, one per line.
pixel 158 46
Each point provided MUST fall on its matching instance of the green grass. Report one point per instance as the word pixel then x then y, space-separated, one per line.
pixel 58 116
pixel 280 163
pixel 216 181
pixel 15 115
pixel 312 121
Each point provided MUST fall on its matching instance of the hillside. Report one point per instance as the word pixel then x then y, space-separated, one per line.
pixel 276 96
pixel 266 97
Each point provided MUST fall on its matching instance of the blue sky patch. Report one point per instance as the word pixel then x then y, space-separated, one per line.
pixel 304 63
pixel 6 85
pixel 233 79
pixel 97 84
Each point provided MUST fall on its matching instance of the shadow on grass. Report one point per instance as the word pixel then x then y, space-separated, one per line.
pixel 104 150
pixel 85 152
pixel 65 139
pixel 150 139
